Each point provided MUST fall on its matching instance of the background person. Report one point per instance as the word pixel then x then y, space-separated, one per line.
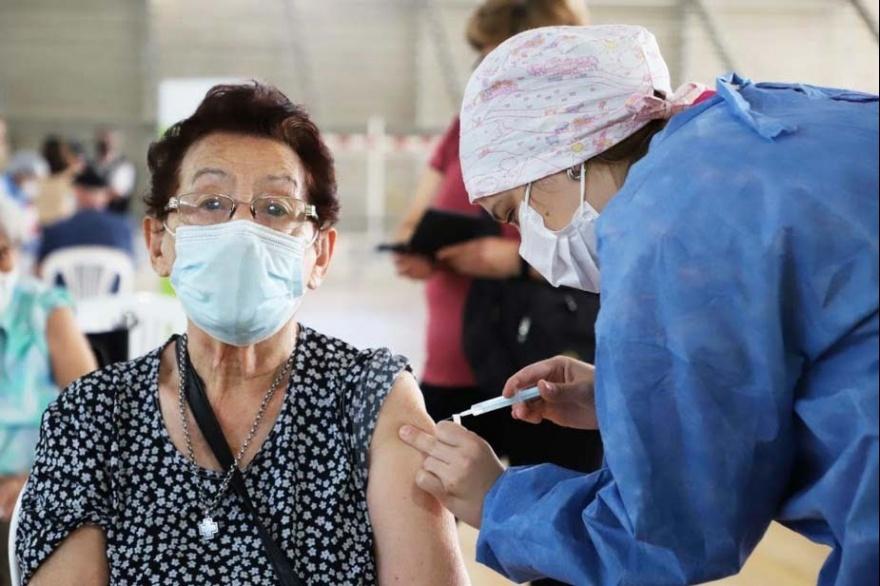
pixel 56 201
pixel 41 351
pixel 92 224
pixel 736 368
pixel 22 178
pixel 116 169
pixel 449 383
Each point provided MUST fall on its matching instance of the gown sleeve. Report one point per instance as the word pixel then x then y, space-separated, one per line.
pixel 693 398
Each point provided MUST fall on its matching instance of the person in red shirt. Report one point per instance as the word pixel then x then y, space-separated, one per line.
pixel 447 372
pixel 448 382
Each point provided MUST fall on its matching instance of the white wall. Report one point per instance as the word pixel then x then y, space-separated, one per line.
pixel 69 66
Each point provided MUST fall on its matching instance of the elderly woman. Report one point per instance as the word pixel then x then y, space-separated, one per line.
pixel 126 488
pixel 41 350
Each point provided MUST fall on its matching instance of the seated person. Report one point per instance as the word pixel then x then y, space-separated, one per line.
pixel 92 224
pixel 56 201
pixel 125 489
pixel 112 164
pixel 41 350
pixel 22 178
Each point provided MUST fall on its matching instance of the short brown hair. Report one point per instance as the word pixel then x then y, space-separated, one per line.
pixel 253 109
pixel 495 21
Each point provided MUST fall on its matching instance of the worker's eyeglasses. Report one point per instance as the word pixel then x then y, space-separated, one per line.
pixel 285 214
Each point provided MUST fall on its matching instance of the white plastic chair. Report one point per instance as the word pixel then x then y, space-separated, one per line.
pixel 90 271
pixel 150 317
pixel 14 571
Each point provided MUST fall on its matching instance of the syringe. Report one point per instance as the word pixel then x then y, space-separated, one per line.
pixel 498 403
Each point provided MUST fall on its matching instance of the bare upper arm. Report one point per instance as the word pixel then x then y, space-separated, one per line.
pixel 80 560
pixel 69 351
pixel 416 539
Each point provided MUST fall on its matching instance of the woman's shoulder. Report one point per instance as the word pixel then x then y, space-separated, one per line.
pixel 97 394
pixel 363 381
pixel 347 360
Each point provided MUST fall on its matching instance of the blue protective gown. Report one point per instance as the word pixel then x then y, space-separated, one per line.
pixel 737 355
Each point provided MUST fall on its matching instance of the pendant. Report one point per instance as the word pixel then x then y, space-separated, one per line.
pixel 208 528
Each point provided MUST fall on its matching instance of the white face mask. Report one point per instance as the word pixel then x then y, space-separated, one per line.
pixel 7 288
pixel 566 257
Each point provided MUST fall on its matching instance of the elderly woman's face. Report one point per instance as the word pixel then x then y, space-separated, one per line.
pixel 242 167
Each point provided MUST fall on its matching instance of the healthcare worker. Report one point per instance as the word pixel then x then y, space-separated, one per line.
pixel 734 234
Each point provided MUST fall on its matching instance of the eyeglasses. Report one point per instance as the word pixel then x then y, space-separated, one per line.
pixel 282 213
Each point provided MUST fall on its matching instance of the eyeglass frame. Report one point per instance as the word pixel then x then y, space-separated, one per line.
pixel 173 205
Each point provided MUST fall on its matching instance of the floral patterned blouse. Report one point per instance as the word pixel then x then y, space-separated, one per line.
pixel 105 458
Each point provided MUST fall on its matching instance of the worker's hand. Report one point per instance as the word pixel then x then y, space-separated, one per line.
pixel 490 257
pixel 10 486
pixel 458 470
pixel 413 266
pixel 566 387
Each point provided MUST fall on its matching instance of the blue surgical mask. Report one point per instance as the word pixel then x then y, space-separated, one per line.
pixel 239 281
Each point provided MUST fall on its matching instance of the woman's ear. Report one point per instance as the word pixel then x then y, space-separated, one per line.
pixel 155 236
pixel 324 247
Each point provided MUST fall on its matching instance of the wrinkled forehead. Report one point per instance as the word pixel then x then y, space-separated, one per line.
pixel 239 161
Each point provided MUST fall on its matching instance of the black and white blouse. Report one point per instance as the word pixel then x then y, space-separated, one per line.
pixel 105 458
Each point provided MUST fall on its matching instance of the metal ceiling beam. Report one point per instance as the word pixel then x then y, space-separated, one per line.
pixel 296 52
pixel 437 32
pixel 866 18
pixel 707 17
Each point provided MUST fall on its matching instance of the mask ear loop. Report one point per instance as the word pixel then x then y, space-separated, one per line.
pixel 582 177
pixel 585 205
pixel 583 186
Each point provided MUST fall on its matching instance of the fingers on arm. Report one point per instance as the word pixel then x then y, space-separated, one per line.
pixel 426 443
pixel 408 522
pixel 430 483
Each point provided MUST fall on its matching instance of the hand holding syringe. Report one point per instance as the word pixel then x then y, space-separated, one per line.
pixel 498 403
pixel 459 467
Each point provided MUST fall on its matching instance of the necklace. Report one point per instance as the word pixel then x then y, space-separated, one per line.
pixel 207 527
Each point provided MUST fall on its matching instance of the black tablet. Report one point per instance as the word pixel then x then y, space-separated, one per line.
pixel 439 229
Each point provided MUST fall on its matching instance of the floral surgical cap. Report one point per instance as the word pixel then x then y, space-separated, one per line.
pixel 550 98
